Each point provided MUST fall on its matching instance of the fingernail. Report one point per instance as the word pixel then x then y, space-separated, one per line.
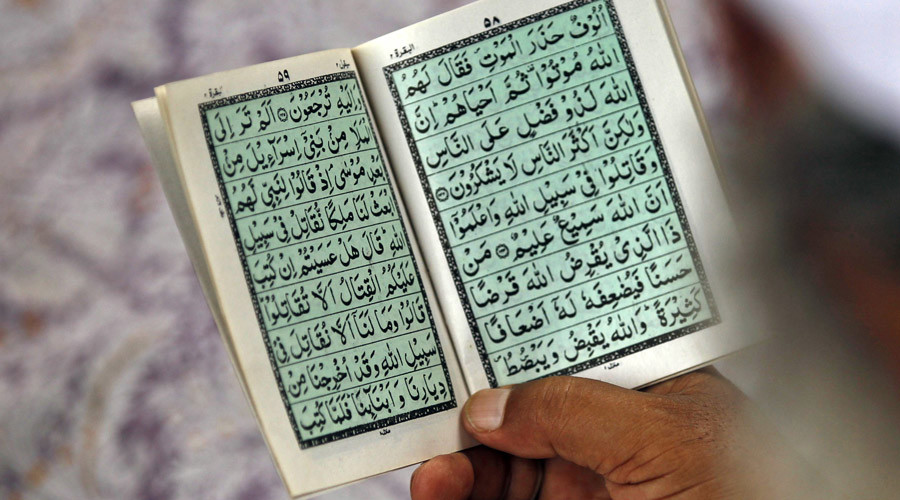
pixel 484 410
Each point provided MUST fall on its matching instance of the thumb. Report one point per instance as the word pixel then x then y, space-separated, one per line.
pixel 593 424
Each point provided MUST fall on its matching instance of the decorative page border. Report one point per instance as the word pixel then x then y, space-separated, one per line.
pixel 657 144
pixel 353 431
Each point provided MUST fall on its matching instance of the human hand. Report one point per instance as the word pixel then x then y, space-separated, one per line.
pixel 567 437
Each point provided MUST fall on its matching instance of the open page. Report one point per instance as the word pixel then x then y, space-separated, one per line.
pixel 562 189
pixel 348 366
pixel 156 137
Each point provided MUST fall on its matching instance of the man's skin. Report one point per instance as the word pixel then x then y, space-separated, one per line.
pixel 684 438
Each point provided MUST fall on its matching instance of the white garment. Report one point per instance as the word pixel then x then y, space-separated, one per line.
pixel 850 49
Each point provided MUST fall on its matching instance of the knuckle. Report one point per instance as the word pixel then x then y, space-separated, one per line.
pixel 678 435
pixel 564 416
pixel 553 401
pixel 655 444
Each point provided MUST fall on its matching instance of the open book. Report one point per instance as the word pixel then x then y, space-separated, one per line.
pixel 508 191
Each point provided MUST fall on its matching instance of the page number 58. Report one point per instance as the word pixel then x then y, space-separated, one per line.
pixel 488 22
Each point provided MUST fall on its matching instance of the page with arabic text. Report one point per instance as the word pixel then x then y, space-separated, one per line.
pixel 557 171
pixel 343 354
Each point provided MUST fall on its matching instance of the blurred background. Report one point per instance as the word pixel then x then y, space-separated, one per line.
pixel 114 382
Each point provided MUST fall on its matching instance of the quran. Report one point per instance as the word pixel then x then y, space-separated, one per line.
pixel 508 191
